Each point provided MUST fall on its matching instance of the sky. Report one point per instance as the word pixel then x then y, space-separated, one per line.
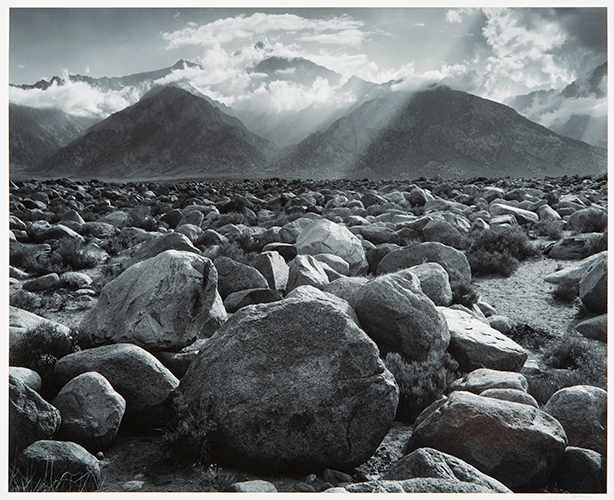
pixel 492 52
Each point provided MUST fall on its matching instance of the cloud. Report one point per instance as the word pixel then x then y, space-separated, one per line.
pixel 352 38
pixel 452 16
pixel 245 27
pixel 77 98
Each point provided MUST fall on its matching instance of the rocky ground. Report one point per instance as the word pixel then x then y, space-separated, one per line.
pixel 71 240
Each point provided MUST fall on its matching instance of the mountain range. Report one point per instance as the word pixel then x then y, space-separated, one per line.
pixel 177 131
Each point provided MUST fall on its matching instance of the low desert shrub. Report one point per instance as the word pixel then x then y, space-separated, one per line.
pixel 41 347
pixel 566 292
pixel 575 360
pixel 498 250
pixel 70 255
pixel 420 382
pixel 216 479
pixel 186 437
pixel 464 294
pixel 552 229
pixel 233 250
pixel 530 338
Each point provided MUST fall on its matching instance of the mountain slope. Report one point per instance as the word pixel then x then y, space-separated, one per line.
pixel 168 133
pixel 438 132
pixel 35 134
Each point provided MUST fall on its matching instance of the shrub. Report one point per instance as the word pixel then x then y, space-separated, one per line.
pixel 420 382
pixel 464 294
pixel 544 385
pixel 186 437
pixel 234 251
pixel 215 479
pixel 41 347
pixel 29 482
pixel 498 250
pixel 566 292
pixel 530 338
pixel 70 256
pixel 576 360
pixel 551 229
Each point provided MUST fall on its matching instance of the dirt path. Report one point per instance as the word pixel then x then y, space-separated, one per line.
pixel 525 297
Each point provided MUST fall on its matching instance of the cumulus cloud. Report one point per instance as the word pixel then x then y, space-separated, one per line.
pixel 452 16
pixel 245 27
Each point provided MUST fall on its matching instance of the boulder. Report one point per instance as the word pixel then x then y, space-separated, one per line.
pixel 63 465
pixel 571 275
pixel 336 263
pixel 306 270
pixel 171 241
pixel 522 216
pixel 443 232
pixel 583 219
pixel 242 298
pixel 434 282
pixel 98 229
pixel 234 276
pixel 453 261
pixel 47 282
pixel 274 269
pixel 91 411
pixel 515 395
pixel 117 218
pixel 74 280
pixel 517 444
pixel 346 288
pixel 582 411
pixel 21 321
pixel 418 485
pixel 483 379
pixel 595 328
pixel 547 213
pixel 27 376
pixel 400 318
pixel 255 486
pixel 162 303
pixel 191 231
pixel 474 344
pixel 580 471
pixel 138 376
pixel 324 236
pixel 579 246
pixel 293 384
pixel 428 462
pixel 502 324
pixel 31 418
pixel 594 286
pixel 308 292
pixel 286 250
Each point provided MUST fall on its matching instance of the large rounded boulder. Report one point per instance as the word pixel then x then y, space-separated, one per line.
pixel 452 260
pixel 582 411
pixel 517 444
pixel 144 382
pixel 161 304
pixel 31 418
pixel 324 236
pixel 292 384
pixel 91 411
pixel 400 318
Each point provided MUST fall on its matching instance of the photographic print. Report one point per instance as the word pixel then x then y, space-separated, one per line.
pixel 329 249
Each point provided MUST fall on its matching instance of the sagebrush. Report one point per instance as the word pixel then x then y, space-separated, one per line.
pixel 420 382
